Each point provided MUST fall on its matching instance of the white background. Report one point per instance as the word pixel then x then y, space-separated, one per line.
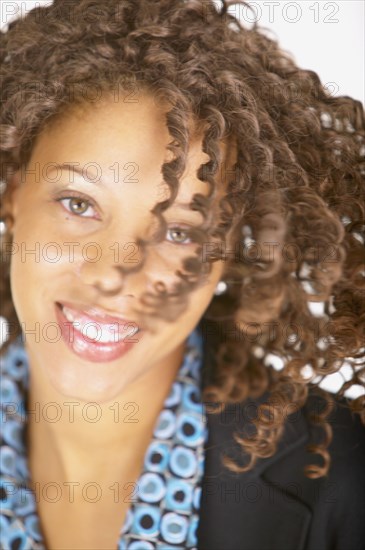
pixel 326 37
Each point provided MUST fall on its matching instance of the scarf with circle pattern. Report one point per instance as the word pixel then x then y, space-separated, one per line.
pixel 164 513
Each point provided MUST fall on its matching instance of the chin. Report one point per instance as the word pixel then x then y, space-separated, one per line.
pixel 87 386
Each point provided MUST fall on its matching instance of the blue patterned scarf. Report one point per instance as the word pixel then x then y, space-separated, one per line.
pixel 165 511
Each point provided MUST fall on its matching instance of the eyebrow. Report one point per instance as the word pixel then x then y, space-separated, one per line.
pixel 81 172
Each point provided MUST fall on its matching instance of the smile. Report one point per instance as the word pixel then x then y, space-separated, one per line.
pixel 95 335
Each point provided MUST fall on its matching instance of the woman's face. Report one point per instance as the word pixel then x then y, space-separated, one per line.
pixel 78 209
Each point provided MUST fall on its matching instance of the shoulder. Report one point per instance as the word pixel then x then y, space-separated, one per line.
pixel 343 443
pixel 347 429
pixel 335 501
pixel 344 482
pixel 346 450
pixel 324 512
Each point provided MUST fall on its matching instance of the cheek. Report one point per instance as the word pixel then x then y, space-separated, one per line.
pixel 30 279
pixel 204 295
pixel 34 235
pixel 216 274
pixel 33 265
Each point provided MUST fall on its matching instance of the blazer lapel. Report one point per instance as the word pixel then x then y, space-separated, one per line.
pixel 250 511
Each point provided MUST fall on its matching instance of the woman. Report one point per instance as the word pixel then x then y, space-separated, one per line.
pixel 176 194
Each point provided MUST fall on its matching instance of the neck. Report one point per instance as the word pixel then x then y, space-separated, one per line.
pixel 84 439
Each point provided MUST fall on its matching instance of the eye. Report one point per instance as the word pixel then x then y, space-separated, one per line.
pixel 178 235
pixel 77 205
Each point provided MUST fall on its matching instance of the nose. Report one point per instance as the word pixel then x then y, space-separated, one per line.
pixel 108 270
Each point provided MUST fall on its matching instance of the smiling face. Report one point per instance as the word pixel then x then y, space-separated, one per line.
pixel 81 205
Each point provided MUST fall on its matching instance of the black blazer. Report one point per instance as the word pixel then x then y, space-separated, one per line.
pixel 274 506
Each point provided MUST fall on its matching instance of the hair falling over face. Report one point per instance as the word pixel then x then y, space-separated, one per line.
pixel 290 224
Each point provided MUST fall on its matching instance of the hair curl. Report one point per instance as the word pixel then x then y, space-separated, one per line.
pixel 297 184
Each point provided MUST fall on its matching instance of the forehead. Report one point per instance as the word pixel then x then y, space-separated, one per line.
pixel 125 142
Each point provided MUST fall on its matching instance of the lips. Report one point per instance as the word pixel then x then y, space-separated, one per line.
pixel 98 325
pixel 94 313
pixel 95 335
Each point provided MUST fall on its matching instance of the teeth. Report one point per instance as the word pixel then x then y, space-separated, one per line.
pixel 80 345
pixel 99 332
pixel 68 314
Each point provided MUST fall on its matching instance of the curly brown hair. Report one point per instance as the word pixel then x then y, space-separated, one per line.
pixel 297 185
